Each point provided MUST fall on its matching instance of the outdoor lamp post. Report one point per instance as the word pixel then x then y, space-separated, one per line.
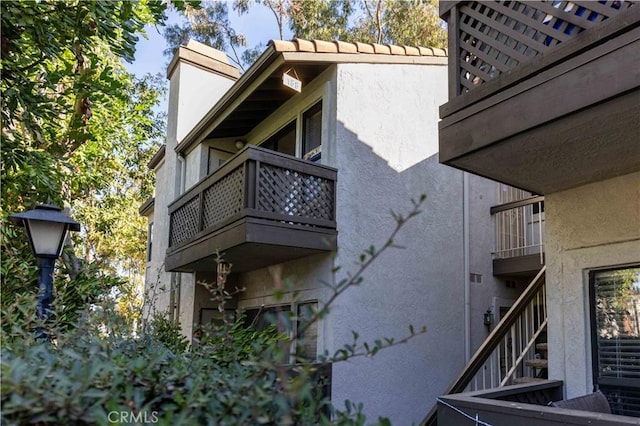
pixel 47 228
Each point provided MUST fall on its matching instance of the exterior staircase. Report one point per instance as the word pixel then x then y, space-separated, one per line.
pixel 539 366
pixel 515 351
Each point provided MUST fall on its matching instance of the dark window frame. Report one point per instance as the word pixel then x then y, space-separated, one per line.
pixel 149 241
pixel 306 115
pixel 261 317
pixel 272 142
pixel 613 388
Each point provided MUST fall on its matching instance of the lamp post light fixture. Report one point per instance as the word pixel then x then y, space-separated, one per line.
pixel 47 228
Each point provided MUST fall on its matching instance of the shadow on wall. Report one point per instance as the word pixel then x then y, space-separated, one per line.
pixel 421 284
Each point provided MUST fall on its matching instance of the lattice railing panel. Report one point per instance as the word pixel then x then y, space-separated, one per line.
pixel 496 36
pixel 184 222
pixel 296 194
pixel 224 198
pixel 257 184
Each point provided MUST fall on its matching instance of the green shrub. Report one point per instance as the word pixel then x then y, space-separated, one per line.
pixel 82 378
pixel 98 372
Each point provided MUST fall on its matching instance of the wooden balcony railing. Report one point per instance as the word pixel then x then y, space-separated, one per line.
pixel 522 405
pixel 489 38
pixel 256 184
pixel 519 228
pixel 503 355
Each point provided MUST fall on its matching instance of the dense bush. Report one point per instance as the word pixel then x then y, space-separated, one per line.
pixel 99 372
pixel 89 377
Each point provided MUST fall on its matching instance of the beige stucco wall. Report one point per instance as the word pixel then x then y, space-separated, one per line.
pixel 193 90
pixel 380 130
pixel 590 227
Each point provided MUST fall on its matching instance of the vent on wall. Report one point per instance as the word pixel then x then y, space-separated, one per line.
pixel 475 278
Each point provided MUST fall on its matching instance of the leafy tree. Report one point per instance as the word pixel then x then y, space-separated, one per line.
pixel 77 130
pixel 402 22
pixel 321 19
pixel 210 25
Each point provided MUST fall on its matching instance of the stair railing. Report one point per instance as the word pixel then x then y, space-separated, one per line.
pixel 503 355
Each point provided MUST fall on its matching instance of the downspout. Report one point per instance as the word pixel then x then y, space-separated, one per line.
pixel 465 238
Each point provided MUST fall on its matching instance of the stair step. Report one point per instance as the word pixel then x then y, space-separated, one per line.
pixel 537 363
pixel 523 380
pixel 542 347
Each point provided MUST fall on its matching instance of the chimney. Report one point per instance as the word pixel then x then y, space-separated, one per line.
pixel 199 75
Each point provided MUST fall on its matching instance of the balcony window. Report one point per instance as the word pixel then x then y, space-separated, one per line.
pixel 615 330
pixel 312 132
pixel 284 141
pixel 215 159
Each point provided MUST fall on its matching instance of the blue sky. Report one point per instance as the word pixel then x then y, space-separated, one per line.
pixel 258 26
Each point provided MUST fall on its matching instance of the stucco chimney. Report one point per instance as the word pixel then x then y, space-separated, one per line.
pixel 199 75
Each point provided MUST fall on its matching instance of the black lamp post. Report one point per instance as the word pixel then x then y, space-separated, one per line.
pixel 47 228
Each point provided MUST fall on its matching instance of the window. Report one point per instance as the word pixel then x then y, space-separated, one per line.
pixel 312 132
pixel 149 241
pixel 262 318
pixel 615 330
pixel 307 345
pixel 284 141
pixel 174 296
pixel 215 159
pixel 307 336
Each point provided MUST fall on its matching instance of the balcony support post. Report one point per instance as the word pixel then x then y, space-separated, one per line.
pixel 251 182
pixel 454 53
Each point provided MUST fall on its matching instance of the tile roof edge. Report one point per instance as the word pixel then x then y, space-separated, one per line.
pixel 338 46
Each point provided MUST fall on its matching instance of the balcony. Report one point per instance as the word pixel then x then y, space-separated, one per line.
pixel 520 235
pixel 520 405
pixel 544 95
pixel 258 209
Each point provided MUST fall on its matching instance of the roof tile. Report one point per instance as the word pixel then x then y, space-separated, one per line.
pixel 344 47
pixel 440 52
pixel 284 46
pixel 426 51
pixel 364 48
pixel 381 49
pixel 396 50
pixel 411 51
pixel 337 46
pixel 325 46
pixel 304 45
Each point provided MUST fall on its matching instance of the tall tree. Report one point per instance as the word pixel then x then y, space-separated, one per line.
pixel 209 24
pixel 402 22
pixel 321 19
pixel 75 130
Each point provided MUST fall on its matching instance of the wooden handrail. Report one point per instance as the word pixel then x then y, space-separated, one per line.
pixel 515 204
pixel 490 344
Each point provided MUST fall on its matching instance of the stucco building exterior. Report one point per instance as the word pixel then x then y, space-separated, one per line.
pixel 290 183
pixel 561 83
